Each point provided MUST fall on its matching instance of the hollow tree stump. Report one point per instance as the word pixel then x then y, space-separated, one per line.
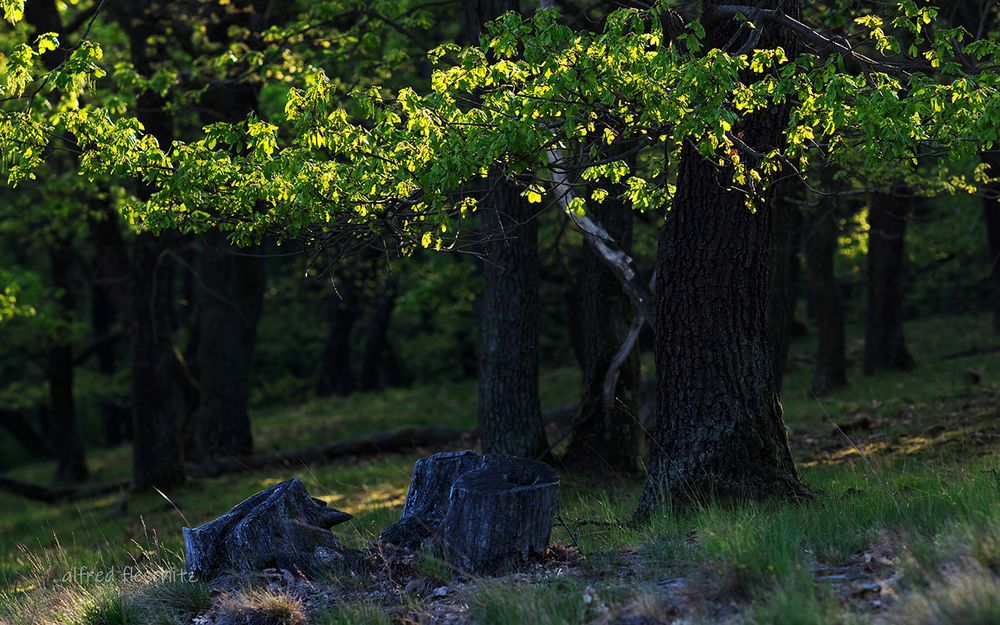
pixel 486 514
pixel 281 527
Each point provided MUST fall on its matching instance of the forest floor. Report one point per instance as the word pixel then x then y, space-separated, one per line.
pixel 906 528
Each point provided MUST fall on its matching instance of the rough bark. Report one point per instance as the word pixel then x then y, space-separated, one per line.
pixel 885 345
pixel 159 405
pixel 71 464
pixel 485 514
pixel 282 527
pixel 500 515
pixel 609 436
pixel 991 214
pixel 830 365
pixel 509 408
pixel 232 284
pixel 427 499
pixel 719 427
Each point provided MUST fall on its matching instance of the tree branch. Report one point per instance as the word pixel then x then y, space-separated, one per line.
pixel 610 253
pixel 840 45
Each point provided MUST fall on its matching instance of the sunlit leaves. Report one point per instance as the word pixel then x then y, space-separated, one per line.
pixel 369 157
pixel 13 10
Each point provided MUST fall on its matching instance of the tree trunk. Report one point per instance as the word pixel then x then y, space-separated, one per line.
pixel 780 285
pixel 158 405
pixel 509 409
pixel 232 292
pixel 885 346
pixel 66 443
pixel 335 375
pixel 377 364
pixel 609 436
pixel 830 366
pixel 719 429
pixel 114 418
pixel 991 213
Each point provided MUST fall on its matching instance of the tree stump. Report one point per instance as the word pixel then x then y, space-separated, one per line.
pixel 486 514
pixel 281 527
pixel 427 499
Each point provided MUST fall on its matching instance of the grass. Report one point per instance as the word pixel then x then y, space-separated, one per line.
pixel 560 602
pixel 923 481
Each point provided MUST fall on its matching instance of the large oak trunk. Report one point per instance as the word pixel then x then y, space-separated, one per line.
pixel 719 428
pixel 830 366
pixel 232 291
pixel 885 346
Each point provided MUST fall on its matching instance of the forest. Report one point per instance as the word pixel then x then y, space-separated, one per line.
pixel 604 312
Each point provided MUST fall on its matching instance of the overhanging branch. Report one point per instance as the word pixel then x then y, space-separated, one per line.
pixel 608 250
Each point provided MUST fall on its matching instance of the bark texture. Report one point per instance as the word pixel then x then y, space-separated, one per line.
pixel 719 428
pixel 609 437
pixel 500 515
pixel 885 345
pixel 486 514
pixel 232 291
pixel 159 404
pixel 509 408
pixel 830 365
pixel 281 527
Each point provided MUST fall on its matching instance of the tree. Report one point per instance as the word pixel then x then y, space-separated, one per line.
pixel 510 415
pixel 719 115
pixel 717 406
pixel 232 292
pixel 885 346
pixel 71 466
pixel 830 363
pixel 608 436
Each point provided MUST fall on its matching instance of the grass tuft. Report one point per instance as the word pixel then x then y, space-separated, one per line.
pixel 968 598
pixel 354 614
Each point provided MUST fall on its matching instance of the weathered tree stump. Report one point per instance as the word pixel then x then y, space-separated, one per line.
pixel 486 514
pixel 281 527
pixel 427 499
